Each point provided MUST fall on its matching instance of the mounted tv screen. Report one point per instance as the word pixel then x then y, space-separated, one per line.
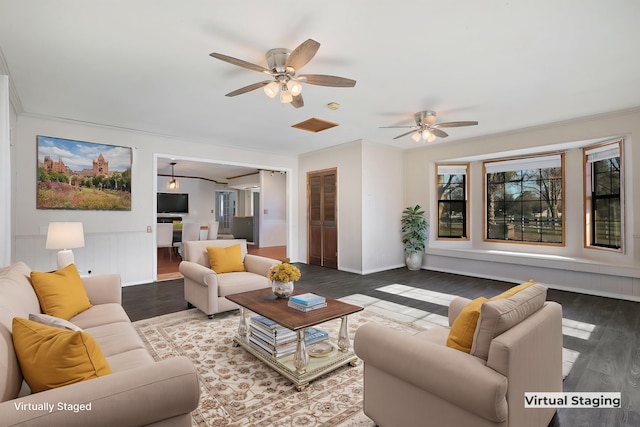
pixel 173 203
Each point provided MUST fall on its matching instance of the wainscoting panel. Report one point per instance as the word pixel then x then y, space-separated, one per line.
pixel 129 254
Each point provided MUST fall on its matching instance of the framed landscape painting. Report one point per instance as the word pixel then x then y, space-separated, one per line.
pixel 83 175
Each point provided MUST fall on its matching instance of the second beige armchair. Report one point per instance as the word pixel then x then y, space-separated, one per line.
pixel 206 289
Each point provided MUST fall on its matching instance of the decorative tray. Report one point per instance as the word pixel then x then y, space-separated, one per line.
pixel 321 349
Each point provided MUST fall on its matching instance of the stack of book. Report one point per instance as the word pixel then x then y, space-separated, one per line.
pixel 307 302
pixel 277 340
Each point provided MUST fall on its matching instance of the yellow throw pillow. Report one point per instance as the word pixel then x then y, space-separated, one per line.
pixel 511 292
pixel 51 357
pixel 61 293
pixel 225 260
pixel 461 333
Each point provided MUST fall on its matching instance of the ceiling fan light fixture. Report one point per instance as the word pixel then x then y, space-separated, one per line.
pixel 271 89
pixel 294 87
pixel 285 95
pixel 416 137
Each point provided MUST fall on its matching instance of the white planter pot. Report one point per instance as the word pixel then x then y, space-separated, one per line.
pixel 413 260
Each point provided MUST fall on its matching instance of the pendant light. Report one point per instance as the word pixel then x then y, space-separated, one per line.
pixel 173 183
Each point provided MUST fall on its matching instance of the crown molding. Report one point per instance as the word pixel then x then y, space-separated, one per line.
pixel 14 99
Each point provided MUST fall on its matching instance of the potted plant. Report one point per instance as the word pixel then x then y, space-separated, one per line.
pixel 414 233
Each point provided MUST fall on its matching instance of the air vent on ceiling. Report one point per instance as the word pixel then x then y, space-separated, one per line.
pixel 314 125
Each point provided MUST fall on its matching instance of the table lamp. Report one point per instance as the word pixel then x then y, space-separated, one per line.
pixel 65 236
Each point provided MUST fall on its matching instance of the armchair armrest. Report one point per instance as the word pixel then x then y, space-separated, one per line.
pixel 444 372
pixel 103 289
pixel 259 264
pixel 198 273
pixel 140 396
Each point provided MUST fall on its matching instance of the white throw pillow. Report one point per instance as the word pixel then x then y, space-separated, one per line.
pixel 56 322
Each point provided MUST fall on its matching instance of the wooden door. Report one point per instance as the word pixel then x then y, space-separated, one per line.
pixel 323 224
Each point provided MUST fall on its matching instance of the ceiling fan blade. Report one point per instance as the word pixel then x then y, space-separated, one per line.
pixel 455 124
pixel 302 54
pixel 324 80
pixel 248 88
pixel 438 132
pixel 240 63
pixel 297 101
pixel 398 127
pixel 405 134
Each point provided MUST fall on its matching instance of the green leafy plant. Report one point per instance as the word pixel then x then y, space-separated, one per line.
pixel 414 229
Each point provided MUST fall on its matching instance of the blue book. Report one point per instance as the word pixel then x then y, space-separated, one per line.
pixel 307 299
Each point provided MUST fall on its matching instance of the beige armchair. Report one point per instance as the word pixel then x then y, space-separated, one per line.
pixel 416 380
pixel 207 290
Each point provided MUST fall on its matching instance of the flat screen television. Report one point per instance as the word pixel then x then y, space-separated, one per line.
pixel 173 203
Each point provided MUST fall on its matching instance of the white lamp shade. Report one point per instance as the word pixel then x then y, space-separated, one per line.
pixel 294 87
pixel 272 89
pixel 65 235
pixel 285 95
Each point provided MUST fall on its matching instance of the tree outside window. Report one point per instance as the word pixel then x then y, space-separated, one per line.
pixel 452 201
pixel 524 200
pixel 603 196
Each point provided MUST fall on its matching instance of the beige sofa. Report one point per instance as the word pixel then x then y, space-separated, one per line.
pixel 206 289
pixel 419 381
pixel 138 392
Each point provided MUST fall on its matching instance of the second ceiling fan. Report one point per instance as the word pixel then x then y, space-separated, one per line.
pixel 427 129
pixel 282 66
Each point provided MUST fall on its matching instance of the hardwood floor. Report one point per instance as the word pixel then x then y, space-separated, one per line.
pixel 608 349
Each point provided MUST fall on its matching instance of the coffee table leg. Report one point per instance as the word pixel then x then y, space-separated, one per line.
pixel 242 327
pixel 300 358
pixel 343 336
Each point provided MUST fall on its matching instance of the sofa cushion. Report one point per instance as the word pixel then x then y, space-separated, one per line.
pixel 462 330
pixel 56 322
pixel 499 315
pixel 52 357
pixel 115 338
pixel 225 260
pixel 102 314
pixel 233 283
pixel 61 293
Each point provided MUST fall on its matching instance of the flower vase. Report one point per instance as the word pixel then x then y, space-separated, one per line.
pixel 282 289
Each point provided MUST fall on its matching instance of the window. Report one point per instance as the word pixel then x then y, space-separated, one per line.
pixel 603 196
pixel 452 201
pixel 524 200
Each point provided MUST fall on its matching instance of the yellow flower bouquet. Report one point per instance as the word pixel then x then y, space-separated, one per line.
pixel 284 273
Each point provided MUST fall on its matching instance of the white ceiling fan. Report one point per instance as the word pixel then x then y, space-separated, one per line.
pixel 427 129
pixel 282 65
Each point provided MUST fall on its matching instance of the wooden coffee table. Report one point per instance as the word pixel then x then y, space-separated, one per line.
pixel 298 367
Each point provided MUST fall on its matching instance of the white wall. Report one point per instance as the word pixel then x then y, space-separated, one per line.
pixel 347 158
pixel 370 203
pixel 610 273
pixel 6 114
pixel 116 242
pixel 382 205
pixel 202 198
pixel 273 209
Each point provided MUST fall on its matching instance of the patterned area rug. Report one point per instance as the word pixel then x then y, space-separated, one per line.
pixel 239 390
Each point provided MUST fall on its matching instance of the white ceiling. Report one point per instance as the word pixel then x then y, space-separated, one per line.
pixel 145 65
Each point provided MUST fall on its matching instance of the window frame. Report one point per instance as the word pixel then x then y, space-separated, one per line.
pixel 588 204
pixel 524 160
pixel 465 201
